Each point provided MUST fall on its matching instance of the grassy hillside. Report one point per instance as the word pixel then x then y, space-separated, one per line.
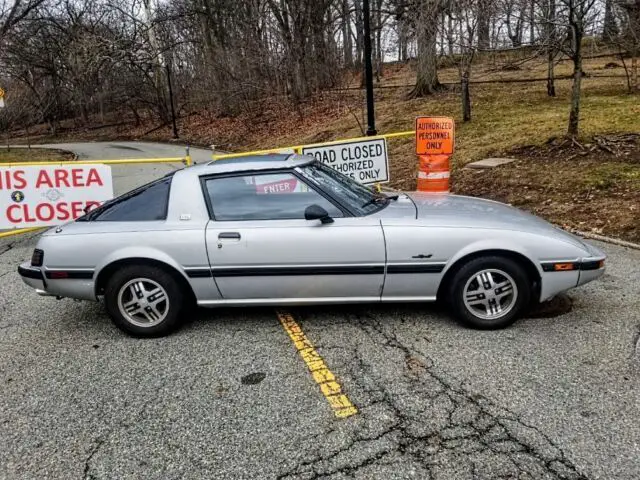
pixel 598 190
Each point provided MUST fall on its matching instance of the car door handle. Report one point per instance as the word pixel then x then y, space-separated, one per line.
pixel 229 236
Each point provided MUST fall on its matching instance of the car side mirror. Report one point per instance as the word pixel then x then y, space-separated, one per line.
pixel 316 212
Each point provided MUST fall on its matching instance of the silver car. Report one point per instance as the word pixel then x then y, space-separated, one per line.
pixel 287 230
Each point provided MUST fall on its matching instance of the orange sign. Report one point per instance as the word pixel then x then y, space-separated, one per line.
pixel 434 135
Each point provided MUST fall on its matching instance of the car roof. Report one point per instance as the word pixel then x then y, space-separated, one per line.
pixel 251 163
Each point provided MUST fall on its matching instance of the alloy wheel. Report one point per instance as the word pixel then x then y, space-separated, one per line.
pixel 143 302
pixel 490 294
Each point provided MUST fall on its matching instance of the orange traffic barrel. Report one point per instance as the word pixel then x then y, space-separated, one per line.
pixel 433 173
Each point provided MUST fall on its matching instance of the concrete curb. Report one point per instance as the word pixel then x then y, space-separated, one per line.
pixel 602 238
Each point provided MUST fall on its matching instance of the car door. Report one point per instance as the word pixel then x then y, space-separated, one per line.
pixel 416 258
pixel 261 247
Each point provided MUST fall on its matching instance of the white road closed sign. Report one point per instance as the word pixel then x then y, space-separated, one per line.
pixel 363 160
pixel 44 196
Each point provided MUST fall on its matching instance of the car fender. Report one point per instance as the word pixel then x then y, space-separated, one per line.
pixel 147 253
pixel 493 244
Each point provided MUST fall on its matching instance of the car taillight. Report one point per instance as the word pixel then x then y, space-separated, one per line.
pixel 37 258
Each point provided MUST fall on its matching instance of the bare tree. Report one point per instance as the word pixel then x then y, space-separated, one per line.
pixel 426 14
pixel 549 41
pixel 610 27
pixel 13 12
pixel 574 16
pixel 483 16
pixel 629 39
pixel 514 20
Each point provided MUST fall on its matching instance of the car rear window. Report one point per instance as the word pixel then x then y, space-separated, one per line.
pixel 146 203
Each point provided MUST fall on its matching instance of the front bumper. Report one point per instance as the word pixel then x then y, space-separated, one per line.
pixel 560 276
pixel 590 269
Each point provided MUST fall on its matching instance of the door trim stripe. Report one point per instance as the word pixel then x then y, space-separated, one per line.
pixel 416 268
pixel 301 270
pixel 198 272
pixel 298 270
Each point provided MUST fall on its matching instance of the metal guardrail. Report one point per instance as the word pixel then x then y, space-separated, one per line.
pixel 186 160
pixel 298 148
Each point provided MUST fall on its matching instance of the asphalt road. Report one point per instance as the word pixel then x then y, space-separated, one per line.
pixel 228 396
pixel 117 150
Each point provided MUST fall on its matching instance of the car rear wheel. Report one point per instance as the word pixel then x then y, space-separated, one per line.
pixel 144 301
pixel 489 292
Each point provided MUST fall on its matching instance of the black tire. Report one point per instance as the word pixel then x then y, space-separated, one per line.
pixel 498 312
pixel 151 277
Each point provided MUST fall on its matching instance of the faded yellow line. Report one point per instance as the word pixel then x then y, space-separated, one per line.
pixel 329 386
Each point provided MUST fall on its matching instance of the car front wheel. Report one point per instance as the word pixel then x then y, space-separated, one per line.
pixel 144 301
pixel 489 292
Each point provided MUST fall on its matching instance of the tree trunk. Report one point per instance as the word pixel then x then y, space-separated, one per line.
pixel 402 41
pixel 158 73
pixel 359 33
pixel 551 85
pixel 483 26
pixel 450 34
pixel 532 30
pixel 574 114
pixel 379 54
pixel 427 66
pixel 551 42
pixel 466 98
pixel 346 35
pixel 442 34
pixel 610 28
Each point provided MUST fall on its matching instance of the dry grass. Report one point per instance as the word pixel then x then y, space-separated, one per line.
pixel 504 115
pixel 33 155
pixel 587 189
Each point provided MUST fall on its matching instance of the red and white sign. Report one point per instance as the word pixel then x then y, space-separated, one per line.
pixel 42 196
pixel 278 183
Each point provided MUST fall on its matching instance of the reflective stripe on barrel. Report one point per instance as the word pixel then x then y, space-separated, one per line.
pixel 433 173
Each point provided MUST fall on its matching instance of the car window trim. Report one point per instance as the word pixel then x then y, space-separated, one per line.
pixel 292 171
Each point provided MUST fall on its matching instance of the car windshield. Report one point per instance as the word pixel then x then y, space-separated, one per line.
pixel 357 197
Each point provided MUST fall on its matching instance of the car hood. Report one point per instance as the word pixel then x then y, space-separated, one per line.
pixel 460 211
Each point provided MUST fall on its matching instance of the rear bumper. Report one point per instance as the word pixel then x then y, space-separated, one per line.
pixel 68 283
pixel 33 277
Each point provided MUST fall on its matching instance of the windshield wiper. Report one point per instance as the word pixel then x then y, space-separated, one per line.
pixel 373 200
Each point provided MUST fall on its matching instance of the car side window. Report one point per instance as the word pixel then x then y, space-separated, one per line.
pixel 281 196
pixel 149 202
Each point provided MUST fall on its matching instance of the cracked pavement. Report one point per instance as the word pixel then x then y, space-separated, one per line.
pixel 549 398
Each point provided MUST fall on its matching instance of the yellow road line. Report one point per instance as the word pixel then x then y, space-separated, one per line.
pixel 329 386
